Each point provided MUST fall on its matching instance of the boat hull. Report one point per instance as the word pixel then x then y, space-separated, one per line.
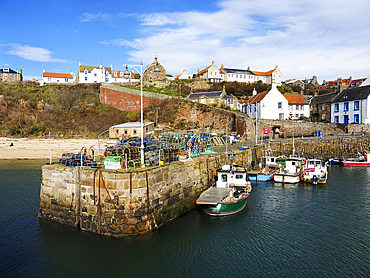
pixel 225 208
pixel 319 181
pixel 356 163
pixel 260 177
pixel 286 178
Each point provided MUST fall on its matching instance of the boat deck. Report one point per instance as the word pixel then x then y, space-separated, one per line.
pixel 213 195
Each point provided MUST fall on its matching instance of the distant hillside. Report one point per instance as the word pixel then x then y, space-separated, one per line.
pixel 30 110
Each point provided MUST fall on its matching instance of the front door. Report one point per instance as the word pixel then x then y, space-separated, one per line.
pixel 345 119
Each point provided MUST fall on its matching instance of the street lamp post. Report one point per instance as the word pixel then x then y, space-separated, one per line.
pixel 157 71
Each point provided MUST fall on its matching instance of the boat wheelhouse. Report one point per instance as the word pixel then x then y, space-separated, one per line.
pixel 228 195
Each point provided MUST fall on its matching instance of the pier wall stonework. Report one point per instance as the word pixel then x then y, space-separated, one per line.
pixel 119 203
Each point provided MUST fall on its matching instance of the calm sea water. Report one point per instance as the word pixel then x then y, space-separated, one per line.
pixel 290 231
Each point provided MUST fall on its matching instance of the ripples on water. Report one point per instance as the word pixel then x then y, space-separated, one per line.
pixel 290 231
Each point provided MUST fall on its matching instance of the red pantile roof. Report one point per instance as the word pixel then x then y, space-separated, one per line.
pixel 295 99
pixel 258 97
pixel 55 74
pixel 261 73
pixel 202 71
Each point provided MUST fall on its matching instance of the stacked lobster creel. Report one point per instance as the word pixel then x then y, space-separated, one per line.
pixel 79 159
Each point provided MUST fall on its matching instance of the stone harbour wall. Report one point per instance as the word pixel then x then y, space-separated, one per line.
pixel 119 203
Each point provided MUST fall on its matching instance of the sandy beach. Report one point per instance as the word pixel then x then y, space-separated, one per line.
pixel 25 148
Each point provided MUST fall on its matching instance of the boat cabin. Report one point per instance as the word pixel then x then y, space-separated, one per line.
pixel 231 176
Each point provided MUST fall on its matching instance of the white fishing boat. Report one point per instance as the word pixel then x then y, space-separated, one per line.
pixel 292 171
pixel 315 171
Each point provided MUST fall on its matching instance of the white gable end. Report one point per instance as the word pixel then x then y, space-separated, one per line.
pixel 274 105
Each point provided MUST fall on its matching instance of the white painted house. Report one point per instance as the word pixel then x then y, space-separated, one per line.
pixel 183 75
pixel 298 106
pixel 249 76
pixel 267 105
pixel 211 73
pixel 352 106
pixel 92 74
pixel 56 78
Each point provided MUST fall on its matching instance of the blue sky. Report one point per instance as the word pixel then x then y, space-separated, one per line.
pixel 329 39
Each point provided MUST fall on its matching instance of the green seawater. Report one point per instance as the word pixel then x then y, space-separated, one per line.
pixel 284 231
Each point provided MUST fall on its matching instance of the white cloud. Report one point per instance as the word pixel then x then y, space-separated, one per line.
pixel 324 38
pixel 87 17
pixel 32 53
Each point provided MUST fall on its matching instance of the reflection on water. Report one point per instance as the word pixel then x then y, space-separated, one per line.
pixel 284 231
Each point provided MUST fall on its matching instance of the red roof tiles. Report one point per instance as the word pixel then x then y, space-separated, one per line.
pixel 55 74
pixel 258 97
pixel 295 99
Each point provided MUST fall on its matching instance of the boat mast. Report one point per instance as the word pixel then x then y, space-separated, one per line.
pixel 293 142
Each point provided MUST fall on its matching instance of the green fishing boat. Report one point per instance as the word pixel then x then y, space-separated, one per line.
pixel 228 195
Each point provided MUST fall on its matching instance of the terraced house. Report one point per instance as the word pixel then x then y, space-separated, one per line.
pixel 214 74
pixel 352 106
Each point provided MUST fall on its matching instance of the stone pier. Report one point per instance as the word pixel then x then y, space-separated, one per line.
pixel 119 203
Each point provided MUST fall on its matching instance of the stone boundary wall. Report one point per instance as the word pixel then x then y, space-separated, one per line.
pixel 116 203
pixel 136 92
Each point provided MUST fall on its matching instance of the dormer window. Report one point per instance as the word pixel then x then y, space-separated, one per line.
pixel 85 71
pixel 5 69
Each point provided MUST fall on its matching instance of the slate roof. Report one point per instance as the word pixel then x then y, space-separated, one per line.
pixel 132 125
pixel 295 99
pixel 327 98
pixel 238 71
pixel 90 68
pixel 213 94
pixel 353 94
pixel 55 74
pixel 9 70
pixel 258 97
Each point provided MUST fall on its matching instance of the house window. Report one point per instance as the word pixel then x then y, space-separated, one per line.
pixel 356 105
pixel 336 119
pixel 94 74
pixel 146 130
pixel 356 119
pixel 85 78
pixel 323 106
pixel 117 131
pixel 134 131
pixel 346 106
pixel 115 73
pixel 49 78
pixel 5 75
pixel 336 107
pixel 281 116
pixel 323 116
pixel 13 76
pixel 66 80
pixel 280 105
pixel 125 131
pixel 85 71
pixel 297 107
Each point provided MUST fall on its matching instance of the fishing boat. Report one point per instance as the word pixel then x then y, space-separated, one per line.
pixel 228 195
pixel 265 171
pixel 335 161
pixel 292 171
pixel 315 172
pixel 361 161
